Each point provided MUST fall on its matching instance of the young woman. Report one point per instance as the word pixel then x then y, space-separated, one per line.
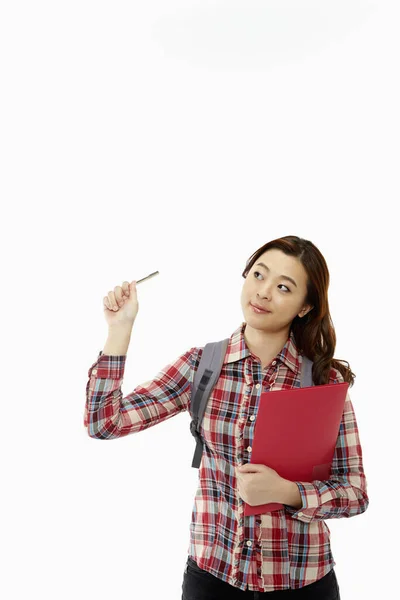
pixel 277 554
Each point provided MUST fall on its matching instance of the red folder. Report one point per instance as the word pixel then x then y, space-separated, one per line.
pixel 296 433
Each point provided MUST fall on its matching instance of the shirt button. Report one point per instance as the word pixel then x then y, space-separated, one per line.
pixel 258 385
pixel 248 542
pixel 252 418
pixel 248 448
pixel 94 371
pixel 274 362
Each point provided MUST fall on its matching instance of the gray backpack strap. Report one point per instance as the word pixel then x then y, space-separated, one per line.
pixel 205 378
pixel 306 372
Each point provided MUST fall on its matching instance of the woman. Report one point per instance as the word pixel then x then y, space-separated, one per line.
pixel 277 554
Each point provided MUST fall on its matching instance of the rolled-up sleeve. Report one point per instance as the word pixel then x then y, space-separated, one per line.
pixel 108 414
pixel 345 493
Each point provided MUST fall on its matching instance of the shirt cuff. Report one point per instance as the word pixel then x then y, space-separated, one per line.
pixel 310 502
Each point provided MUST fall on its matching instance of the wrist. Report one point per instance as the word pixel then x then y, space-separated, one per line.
pixel 119 329
pixel 290 494
pixel 118 340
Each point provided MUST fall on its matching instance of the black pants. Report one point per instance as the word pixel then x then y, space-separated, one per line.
pixel 201 585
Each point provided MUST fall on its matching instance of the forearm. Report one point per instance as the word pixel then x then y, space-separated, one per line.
pixel 118 340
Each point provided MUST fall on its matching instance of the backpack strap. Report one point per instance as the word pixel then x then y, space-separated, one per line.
pixel 306 372
pixel 205 378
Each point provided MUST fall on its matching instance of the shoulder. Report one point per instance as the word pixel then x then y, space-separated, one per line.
pixel 195 356
pixel 335 376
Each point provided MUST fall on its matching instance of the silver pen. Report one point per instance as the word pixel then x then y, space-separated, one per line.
pixel 148 276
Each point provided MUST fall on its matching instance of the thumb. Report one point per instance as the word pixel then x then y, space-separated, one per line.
pixel 249 467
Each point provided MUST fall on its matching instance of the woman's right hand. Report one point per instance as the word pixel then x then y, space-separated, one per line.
pixel 127 306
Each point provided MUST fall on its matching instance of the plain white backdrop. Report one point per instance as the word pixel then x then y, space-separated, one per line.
pixel 180 136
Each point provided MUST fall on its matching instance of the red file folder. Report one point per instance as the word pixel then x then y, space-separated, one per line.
pixel 296 432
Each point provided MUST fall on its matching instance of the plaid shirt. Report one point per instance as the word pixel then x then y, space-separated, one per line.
pixel 283 549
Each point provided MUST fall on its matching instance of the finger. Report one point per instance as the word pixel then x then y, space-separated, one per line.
pixel 125 288
pixel 113 301
pixel 106 302
pixel 118 294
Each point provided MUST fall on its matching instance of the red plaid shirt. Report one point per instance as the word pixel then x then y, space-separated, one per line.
pixel 283 549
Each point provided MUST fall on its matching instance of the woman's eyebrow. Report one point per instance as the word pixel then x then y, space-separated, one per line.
pixel 281 277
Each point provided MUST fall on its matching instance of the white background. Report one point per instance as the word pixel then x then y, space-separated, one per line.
pixel 180 136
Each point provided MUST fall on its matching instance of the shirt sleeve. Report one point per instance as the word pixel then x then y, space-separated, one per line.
pixel 345 493
pixel 109 415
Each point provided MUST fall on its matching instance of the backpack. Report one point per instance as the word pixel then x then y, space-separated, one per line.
pixel 204 380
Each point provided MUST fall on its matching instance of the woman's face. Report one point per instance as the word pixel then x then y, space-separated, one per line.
pixel 268 288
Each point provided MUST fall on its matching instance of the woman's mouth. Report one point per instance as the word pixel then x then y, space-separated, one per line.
pixel 259 311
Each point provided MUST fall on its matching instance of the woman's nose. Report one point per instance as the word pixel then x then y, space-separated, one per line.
pixel 265 291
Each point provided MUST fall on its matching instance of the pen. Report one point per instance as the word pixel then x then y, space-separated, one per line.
pixel 148 276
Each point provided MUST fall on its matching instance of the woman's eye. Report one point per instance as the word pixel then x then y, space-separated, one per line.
pixel 258 273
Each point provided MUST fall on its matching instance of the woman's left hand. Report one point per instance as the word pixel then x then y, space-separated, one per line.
pixel 259 484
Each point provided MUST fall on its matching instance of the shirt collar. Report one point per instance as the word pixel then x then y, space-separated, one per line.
pixel 238 349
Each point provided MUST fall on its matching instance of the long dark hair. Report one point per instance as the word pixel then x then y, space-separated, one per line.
pixel 314 334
